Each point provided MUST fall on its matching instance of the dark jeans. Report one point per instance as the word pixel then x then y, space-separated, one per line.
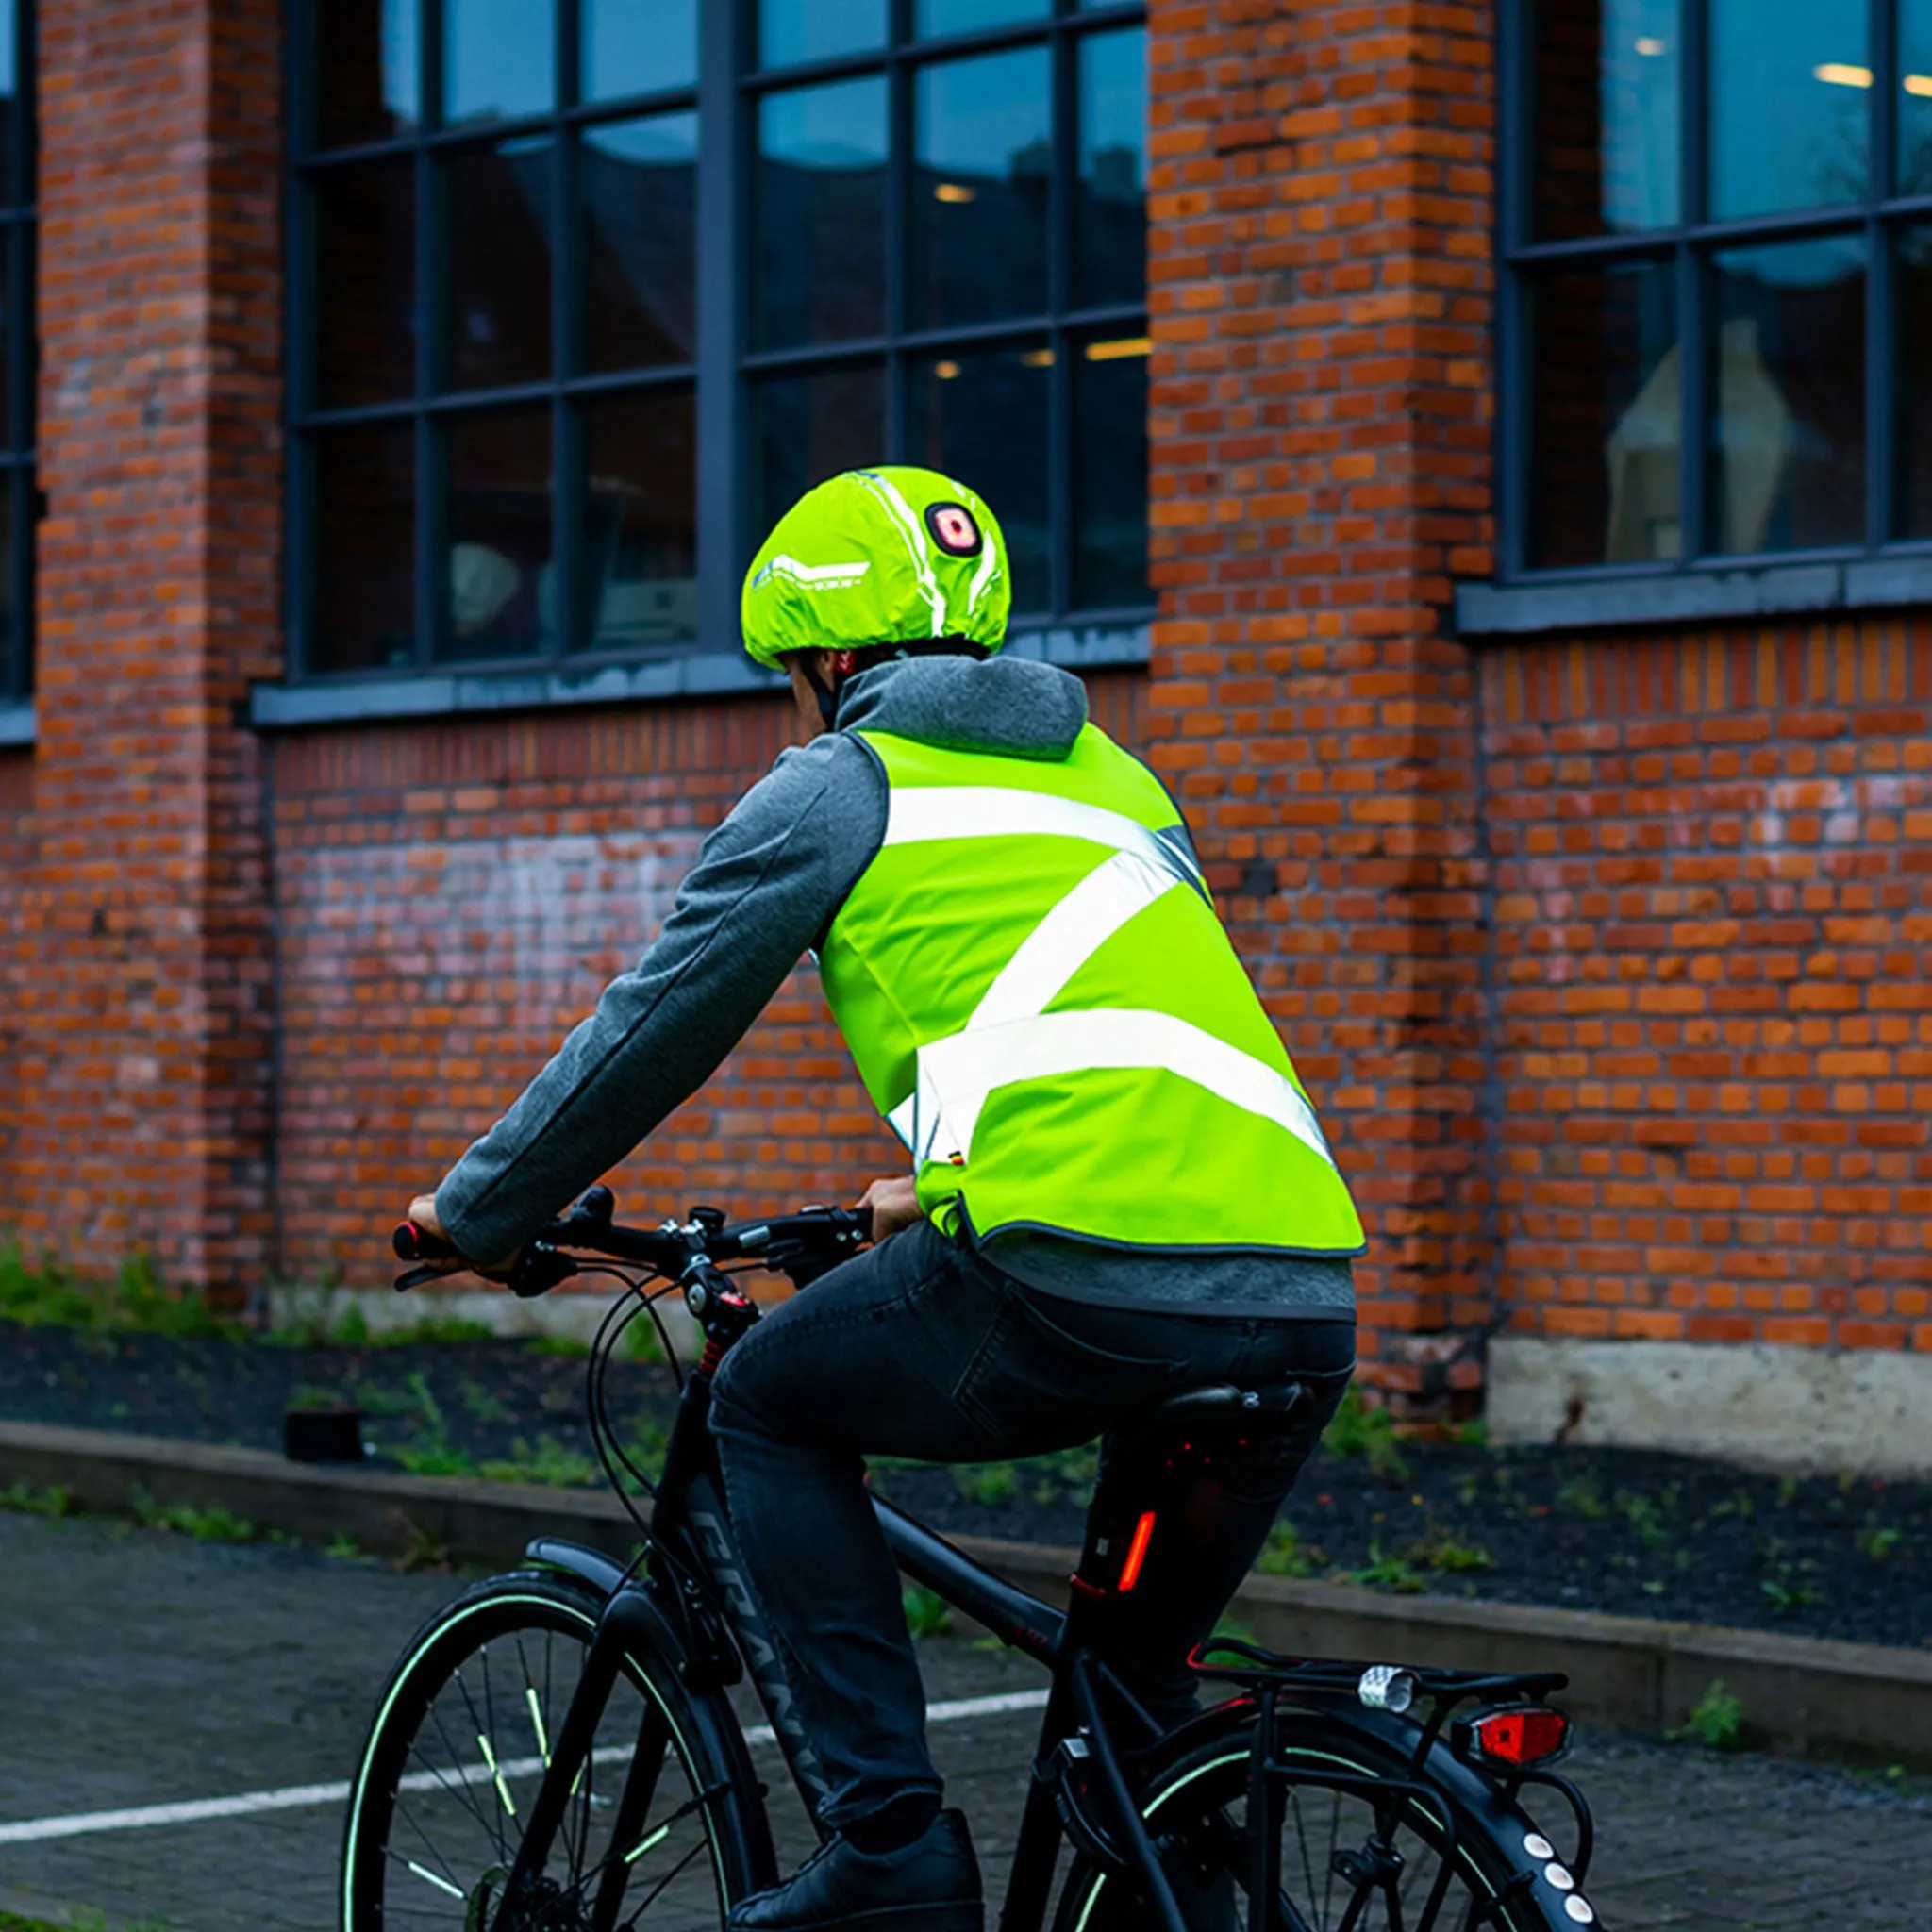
pixel 920 1348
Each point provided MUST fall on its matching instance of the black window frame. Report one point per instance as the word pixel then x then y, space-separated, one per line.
pixel 19 218
pixel 1788 578
pixel 724 369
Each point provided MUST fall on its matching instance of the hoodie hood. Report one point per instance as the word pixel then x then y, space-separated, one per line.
pixel 1016 707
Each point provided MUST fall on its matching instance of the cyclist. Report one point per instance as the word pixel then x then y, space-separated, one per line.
pixel 1119 1190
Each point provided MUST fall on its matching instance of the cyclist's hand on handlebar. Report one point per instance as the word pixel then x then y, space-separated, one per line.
pixel 894 1205
pixel 423 1212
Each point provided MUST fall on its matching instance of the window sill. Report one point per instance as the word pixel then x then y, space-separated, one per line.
pixel 16 722
pixel 1778 589
pixel 710 673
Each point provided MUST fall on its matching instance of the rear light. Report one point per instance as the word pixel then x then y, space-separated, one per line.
pixel 1136 1552
pixel 1513 1737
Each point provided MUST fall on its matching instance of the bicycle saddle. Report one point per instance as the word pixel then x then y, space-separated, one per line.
pixel 1223 1408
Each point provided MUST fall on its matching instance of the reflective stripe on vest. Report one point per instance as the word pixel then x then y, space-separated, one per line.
pixel 942 967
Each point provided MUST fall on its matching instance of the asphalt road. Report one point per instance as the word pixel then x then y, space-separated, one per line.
pixel 138 1669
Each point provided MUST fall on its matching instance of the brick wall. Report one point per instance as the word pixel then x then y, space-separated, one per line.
pixel 144 1058
pixel 1320 420
pixel 16 852
pixel 1713 983
pixel 451 900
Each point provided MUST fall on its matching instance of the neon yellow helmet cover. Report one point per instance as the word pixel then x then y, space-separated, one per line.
pixel 889 555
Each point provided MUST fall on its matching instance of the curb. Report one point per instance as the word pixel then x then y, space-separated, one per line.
pixel 1809 1696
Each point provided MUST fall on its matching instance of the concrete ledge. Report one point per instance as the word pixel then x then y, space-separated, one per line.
pixel 1864 1410
pixel 1806 1696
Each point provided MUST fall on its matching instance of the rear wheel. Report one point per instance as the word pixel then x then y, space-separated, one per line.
pixel 659 1832
pixel 1349 1859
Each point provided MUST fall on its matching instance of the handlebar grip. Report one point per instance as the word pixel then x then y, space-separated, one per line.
pixel 412 1243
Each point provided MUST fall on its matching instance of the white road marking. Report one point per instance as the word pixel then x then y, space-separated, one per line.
pixel 297 1797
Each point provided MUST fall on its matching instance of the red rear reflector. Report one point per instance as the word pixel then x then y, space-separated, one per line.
pixel 1521 1737
pixel 1137 1551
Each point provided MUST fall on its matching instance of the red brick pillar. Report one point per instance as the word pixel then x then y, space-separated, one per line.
pixel 1319 264
pixel 146 1060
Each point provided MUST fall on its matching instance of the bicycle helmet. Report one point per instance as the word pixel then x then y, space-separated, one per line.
pixel 889 556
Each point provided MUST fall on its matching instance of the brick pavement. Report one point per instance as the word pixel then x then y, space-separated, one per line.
pixel 136 1669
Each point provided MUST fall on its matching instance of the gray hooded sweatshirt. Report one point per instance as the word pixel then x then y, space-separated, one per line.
pixel 767 885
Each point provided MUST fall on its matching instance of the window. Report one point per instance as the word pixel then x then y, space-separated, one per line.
pixel 18 495
pixel 552 287
pixel 1718 302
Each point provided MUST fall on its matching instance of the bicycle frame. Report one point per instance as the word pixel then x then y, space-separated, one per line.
pixel 694 1591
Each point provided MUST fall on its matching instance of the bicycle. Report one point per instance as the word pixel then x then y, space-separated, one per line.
pixel 556 1751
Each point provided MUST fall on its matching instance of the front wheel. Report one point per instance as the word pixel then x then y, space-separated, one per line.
pixel 1349 1858
pixel 661 1830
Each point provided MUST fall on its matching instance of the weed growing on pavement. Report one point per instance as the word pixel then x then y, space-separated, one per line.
pixel 1437 1549
pixel 23 1501
pixel 420 1551
pixel 926 1615
pixel 1717 1720
pixel 1356 1429
pixel 346 1549
pixel 212 1526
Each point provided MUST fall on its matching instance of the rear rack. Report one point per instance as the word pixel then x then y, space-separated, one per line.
pixel 1271 1680
pixel 1375 1685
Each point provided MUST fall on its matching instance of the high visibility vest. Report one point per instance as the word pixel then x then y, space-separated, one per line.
pixel 1043 1004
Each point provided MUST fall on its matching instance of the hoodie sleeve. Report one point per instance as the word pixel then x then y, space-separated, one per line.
pixel 767 883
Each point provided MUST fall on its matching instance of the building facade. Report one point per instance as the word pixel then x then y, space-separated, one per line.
pixel 1480 454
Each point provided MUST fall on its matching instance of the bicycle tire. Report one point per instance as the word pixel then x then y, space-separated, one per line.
pixel 397 1871
pixel 1193 1795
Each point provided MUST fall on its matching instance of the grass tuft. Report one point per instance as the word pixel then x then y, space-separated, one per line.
pixel 1356 1429
pixel 1716 1720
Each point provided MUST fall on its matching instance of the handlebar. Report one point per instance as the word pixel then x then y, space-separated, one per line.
pixel 806 1243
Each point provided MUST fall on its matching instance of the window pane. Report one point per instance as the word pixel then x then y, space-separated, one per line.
pixel 499 58
pixel 365 549
pixel 365 272
pixel 499 265
pixel 368 71
pixel 640 571
pixel 1111 474
pixel 638 46
pixel 1915 97
pixel 812 427
pixel 984 159
pixel 1606 74
pixel 501 587
pixel 1791 85
pixel 640 187
pixel 821 214
pixel 794 31
pixel 982 419
pixel 1913 418
pixel 1605 417
pixel 931 17
pixel 1788 469
pixel 1112 207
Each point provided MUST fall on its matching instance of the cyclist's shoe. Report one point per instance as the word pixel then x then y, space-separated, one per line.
pixel 932 1885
